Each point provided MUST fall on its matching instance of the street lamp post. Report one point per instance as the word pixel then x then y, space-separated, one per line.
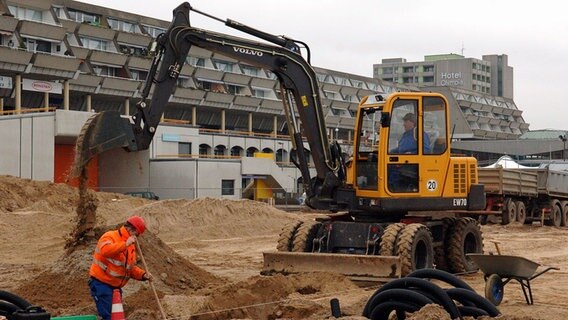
pixel 564 138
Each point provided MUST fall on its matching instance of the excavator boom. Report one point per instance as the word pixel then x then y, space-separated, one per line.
pixel 298 81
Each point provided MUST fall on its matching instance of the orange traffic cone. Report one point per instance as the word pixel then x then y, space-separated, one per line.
pixel 117 312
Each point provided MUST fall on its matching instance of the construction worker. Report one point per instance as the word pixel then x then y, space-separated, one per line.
pixel 113 264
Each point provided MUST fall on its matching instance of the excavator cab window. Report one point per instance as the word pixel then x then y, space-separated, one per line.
pixel 404 141
pixel 367 149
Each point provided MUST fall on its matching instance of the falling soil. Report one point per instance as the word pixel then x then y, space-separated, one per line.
pixel 86 213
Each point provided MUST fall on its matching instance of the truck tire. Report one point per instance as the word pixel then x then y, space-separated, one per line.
pixel 555 218
pixel 533 213
pixel 521 212
pixel 465 237
pixel 414 247
pixel 286 236
pixel 387 247
pixel 564 206
pixel 304 239
pixel 509 213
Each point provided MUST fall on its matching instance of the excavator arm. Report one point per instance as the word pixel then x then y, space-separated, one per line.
pixel 109 130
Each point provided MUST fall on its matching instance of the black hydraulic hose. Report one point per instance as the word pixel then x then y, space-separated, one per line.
pixel 383 310
pixel 395 294
pixel 16 300
pixel 442 276
pixel 460 294
pixel 425 285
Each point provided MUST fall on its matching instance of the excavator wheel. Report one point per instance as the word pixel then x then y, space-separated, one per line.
pixel 464 237
pixel 303 240
pixel 286 236
pixel 387 246
pixel 414 247
pixel 440 259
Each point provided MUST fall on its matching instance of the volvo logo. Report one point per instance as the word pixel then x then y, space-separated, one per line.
pixel 248 51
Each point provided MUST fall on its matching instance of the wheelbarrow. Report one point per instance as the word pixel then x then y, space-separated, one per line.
pixel 499 270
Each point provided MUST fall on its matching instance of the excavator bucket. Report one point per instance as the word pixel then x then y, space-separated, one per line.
pixel 101 132
pixel 357 267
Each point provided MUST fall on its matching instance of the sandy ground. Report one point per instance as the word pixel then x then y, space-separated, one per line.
pixel 206 255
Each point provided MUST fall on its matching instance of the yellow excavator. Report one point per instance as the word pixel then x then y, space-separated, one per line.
pixel 392 200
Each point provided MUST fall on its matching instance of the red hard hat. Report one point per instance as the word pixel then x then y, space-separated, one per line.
pixel 138 224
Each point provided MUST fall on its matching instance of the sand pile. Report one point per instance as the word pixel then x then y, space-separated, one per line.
pixel 62 287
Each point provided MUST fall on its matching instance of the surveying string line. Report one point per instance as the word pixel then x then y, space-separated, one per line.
pixel 288 300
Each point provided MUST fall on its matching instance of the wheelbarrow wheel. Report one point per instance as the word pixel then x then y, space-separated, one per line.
pixel 494 289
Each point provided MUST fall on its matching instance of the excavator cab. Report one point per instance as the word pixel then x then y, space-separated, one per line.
pixel 408 156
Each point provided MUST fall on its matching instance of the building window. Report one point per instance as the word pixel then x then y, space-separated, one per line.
pixel 123 25
pixel 26 13
pixel 224 66
pixel 387 70
pixel 251 71
pixel 94 44
pixel 408 69
pixel 36 45
pixel 133 50
pixel 154 31
pixel 227 187
pixel 196 62
pixel 79 16
pixel 428 68
pixel 105 71
pixel 139 74
pixel 233 89
pixel 184 148
pixel 428 79
pixel 259 93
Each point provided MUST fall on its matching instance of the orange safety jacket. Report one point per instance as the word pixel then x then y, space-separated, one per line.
pixel 113 262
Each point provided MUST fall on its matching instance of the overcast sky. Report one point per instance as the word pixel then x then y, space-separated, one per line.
pixel 351 36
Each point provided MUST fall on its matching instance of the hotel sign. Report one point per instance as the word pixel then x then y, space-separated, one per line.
pixel 453 79
pixel 42 86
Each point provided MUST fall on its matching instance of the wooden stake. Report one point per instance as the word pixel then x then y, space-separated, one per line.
pixel 151 283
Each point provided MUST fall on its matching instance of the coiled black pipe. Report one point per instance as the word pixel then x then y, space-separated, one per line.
pixel 14 299
pixel 410 283
pixel 460 294
pixel 403 295
pixel 442 276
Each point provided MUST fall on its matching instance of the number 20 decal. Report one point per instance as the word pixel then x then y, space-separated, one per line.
pixel 431 185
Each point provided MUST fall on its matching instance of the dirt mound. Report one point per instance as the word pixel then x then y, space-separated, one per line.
pixel 208 218
pixel 62 287
pixel 279 296
pixel 17 194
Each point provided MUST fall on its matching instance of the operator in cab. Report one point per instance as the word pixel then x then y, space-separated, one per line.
pixel 407 144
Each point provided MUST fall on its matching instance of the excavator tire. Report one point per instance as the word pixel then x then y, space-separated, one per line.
pixel 303 241
pixel 414 247
pixel 387 247
pixel 286 236
pixel 464 237
pixel 440 259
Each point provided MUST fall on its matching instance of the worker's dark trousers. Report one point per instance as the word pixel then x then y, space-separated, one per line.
pixel 102 294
